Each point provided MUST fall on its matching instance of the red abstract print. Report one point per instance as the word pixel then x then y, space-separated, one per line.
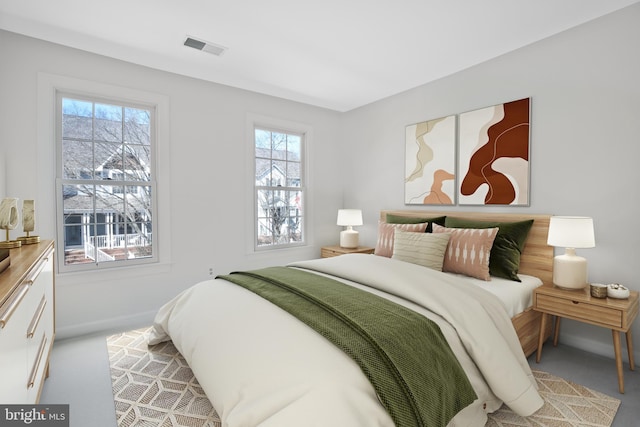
pixel 507 138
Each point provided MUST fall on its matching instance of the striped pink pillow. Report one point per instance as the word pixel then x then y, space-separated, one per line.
pixel 386 232
pixel 468 250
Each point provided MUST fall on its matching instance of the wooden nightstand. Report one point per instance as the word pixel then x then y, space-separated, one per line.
pixel 610 313
pixel 329 251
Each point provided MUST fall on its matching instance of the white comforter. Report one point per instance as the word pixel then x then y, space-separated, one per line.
pixel 260 366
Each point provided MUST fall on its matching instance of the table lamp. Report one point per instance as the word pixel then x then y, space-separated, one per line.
pixel 570 232
pixel 349 218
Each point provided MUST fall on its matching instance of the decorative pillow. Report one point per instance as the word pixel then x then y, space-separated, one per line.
pixel 507 248
pixel 384 246
pixel 399 219
pixel 468 250
pixel 426 249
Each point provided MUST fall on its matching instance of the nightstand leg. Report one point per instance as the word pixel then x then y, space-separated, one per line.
pixel 543 327
pixel 617 350
pixel 630 349
pixel 556 331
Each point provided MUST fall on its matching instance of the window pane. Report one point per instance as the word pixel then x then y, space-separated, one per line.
pixel 137 163
pixel 279 145
pixel 137 126
pixel 108 160
pixel 108 123
pixel 77 158
pixel 293 174
pixel 77 119
pixel 278 173
pixel 293 147
pixel 263 142
pixel 109 199
pixel 263 172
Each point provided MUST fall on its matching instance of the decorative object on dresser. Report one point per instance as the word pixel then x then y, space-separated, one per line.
pixel 578 304
pixel 349 218
pixel 570 232
pixel 330 251
pixel 28 222
pixel 9 220
pixel 27 322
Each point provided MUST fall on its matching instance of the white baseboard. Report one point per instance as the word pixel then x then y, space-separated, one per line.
pixel 111 325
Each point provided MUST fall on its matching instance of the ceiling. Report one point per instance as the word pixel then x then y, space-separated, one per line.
pixel 336 54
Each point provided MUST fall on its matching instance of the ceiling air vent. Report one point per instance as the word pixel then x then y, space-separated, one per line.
pixel 205 46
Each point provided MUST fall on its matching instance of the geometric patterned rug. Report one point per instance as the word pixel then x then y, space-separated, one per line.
pixel 154 387
pixel 565 404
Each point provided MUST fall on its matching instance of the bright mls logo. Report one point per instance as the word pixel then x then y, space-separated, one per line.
pixel 34 415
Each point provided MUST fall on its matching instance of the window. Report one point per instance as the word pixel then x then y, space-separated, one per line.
pixel 105 182
pixel 279 188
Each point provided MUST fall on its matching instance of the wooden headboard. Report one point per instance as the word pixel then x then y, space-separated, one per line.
pixel 537 257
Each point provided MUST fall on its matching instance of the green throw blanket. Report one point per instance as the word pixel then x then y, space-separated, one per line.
pixel 403 354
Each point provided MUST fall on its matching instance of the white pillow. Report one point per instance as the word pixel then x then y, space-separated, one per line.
pixel 424 249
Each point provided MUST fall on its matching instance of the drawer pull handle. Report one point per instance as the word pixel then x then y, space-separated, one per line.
pixel 12 304
pixel 576 302
pixel 36 271
pixel 36 318
pixel 36 365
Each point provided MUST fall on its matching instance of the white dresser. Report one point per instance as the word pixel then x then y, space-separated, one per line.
pixel 27 322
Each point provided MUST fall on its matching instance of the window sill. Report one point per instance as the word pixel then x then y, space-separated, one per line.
pixel 120 273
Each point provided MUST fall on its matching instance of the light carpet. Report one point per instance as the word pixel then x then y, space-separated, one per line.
pixel 154 387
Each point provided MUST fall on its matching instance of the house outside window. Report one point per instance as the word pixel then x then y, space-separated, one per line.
pixel 279 188
pixel 105 182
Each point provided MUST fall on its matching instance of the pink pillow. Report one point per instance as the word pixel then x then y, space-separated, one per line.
pixel 386 232
pixel 468 250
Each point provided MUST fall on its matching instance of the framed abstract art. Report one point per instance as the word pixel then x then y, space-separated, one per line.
pixel 493 155
pixel 430 162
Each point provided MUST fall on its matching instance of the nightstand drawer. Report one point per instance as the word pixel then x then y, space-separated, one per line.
pixel 598 315
pixel 331 251
pixel 328 253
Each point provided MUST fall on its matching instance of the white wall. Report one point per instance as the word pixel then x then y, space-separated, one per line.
pixel 210 177
pixel 585 141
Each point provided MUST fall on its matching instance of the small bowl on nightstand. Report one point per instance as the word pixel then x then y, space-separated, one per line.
pixel 599 290
pixel 614 290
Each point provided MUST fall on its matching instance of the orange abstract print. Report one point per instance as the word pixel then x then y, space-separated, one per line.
pixel 497 139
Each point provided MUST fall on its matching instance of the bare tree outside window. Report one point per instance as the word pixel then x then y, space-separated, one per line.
pixel 107 182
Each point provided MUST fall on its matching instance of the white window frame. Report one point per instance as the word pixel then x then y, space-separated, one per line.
pixel 48 87
pixel 288 127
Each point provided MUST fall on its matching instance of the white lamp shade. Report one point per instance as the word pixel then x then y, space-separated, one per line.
pixel 349 217
pixel 571 232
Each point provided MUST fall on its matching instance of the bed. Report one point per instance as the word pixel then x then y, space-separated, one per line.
pixel 536 261
pixel 261 364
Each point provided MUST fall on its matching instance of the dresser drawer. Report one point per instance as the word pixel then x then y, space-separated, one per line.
pixel 27 323
pixel 590 313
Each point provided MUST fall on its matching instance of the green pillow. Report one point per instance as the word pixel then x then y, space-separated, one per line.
pixel 504 259
pixel 399 219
